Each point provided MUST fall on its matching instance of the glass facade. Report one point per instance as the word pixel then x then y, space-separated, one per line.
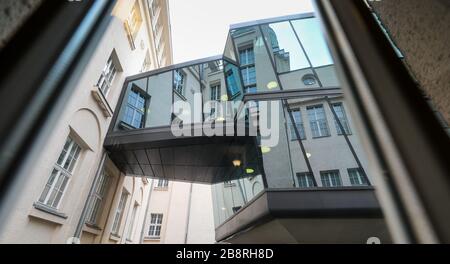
pixel 282 70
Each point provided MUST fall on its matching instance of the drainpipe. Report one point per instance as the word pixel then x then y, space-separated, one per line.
pixel 87 205
pixel 146 212
pixel 188 215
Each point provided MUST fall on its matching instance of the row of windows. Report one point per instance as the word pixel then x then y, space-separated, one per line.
pixel 332 178
pixel 317 121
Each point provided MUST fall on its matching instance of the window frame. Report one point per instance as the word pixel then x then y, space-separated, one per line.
pixel 156 220
pixel 106 79
pixel 98 199
pixel 309 180
pixel 118 215
pixel 328 173
pixel 325 120
pixel 62 176
pixel 246 67
pixel 130 231
pixel 362 180
pixel 345 122
pixel 176 82
pixel 293 135
pixel 135 109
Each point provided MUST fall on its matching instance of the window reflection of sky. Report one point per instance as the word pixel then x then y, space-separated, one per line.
pixel 287 41
pixel 311 36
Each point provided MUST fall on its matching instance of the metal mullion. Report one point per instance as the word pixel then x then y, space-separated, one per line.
pixel 285 102
pixel 306 55
pixel 349 144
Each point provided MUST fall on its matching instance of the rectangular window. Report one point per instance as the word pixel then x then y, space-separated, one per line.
pixel 135 109
pixel 119 212
pixel 247 56
pixel 298 121
pixel 162 183
pixel 98 198
pixel 153 7
pixel 318 121
pixel 340 112
pixel 249 75
pixel 305 180
pixel 155 225
pixel 331 178
pixel 107 76
pixel 132 220
pixel 357 178
pixel 215 92
pixel 248 71
pixel 147 62
pixel 133 24
pixel 232 84
pixel 61 173
pixel 179 80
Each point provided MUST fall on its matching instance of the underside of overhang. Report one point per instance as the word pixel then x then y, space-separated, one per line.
pixel 157 153
pixel 322 215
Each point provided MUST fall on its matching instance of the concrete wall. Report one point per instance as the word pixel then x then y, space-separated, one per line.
pixel 187 214
pixel 420 30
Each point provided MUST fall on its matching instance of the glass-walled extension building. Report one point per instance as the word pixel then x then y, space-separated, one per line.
pixel 265 124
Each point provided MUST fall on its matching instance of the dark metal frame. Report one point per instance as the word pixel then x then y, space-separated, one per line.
pixel 400 130
pixel 68 33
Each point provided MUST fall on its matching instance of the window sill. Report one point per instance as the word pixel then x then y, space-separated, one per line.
pixel 49 210
pixel 348 134
pixel 180 95
pixel 43 212
pixel 161 188
pixel 114 237
pixel 154 239
pixel 93 229
pixel 321 137
pixel 102 102
pixel 295 139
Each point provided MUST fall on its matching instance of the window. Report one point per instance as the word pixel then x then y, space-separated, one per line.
pixel 179 80
pixel 134 111
pixel 155 225
pixel 215 92
pixel 107 76
pixel 98 197
pixel 153 7
pixel 310 34
pixel 247 59
pixel 309 80
pixel 297 115
pixel 147 62
pixel 339 109
pixel 162 183
pixel 357 177
pixel 133 24
pixel 232 83
pixel 61 173
pixel 132 220
pixel 331 179
pixel 119 212
pixel 318 121
pixel 305 180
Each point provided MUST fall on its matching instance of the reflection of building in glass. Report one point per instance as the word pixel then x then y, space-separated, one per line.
pixel 313 186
